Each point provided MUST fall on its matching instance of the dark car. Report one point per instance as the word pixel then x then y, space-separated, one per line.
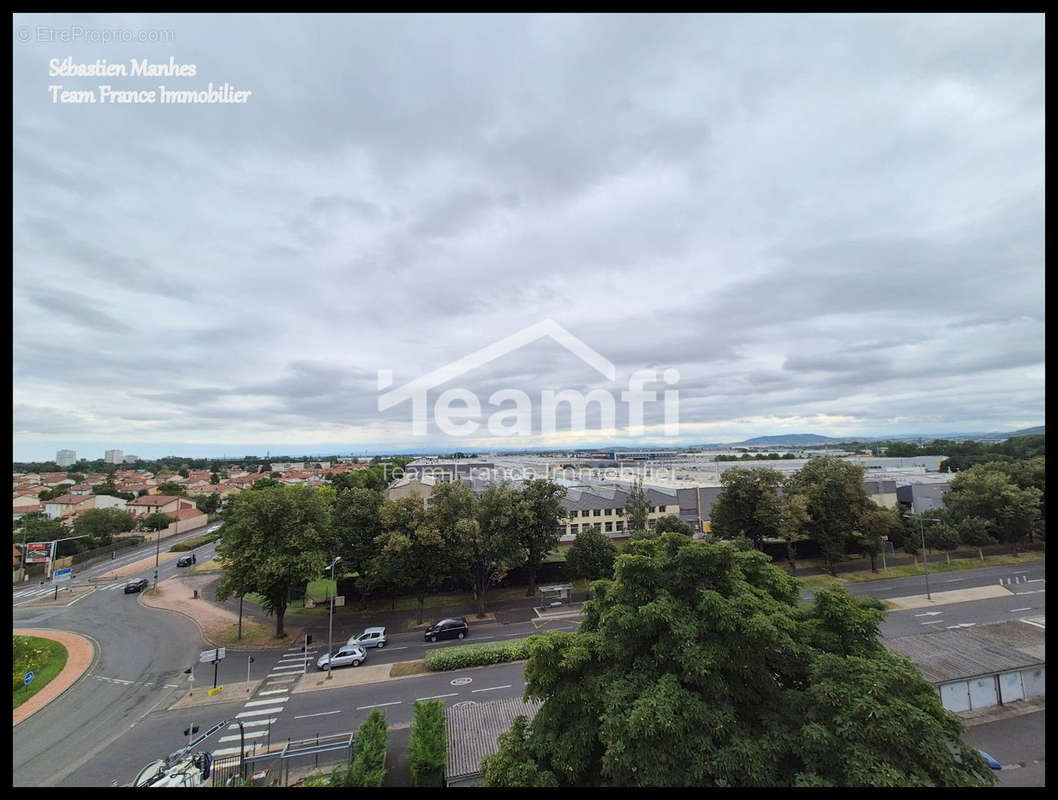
pixel 136 586
pixel 448 629
pixel 185 561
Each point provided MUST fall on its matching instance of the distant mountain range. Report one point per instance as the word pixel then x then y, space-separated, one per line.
pixel 808 439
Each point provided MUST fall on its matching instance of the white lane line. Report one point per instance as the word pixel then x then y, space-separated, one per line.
pixel 172 686
pixel 321 714
pixel 237 737
pixel 118 680
pixel 229 751
pixel 436 696
pixel 483 638
pixel 1035 580
pixel 273 691
pixel 516 634
pixel 259 712
pixel 82 597
pixel 491 688
pixel 962 625
pixel 932 622
pixel 285 671
pixel 254 723
pixel 270 701
pixel 404 647
pixel 1032 591
pixel 929 613
pixel 281 680
pixel 1026 608
pixel 954 580
pixel 379 705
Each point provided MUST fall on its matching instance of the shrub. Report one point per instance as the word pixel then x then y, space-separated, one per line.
pixel 427 747
pixel 369 763
pixel 191 544
pixel 477 655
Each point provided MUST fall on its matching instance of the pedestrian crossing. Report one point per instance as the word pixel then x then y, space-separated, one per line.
pixel 264 708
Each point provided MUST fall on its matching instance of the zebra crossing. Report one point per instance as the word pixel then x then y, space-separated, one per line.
pixel 1014 579
pixel 268 702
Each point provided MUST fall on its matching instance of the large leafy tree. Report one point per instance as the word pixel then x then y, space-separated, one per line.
pixel 673 524
pixel 541 509
pixel 171 488
pixel 748 505
pixel 591 556
pixel 356 526
pixel 273 541
pixel 102 523
pixel 637 507
pixel 793 518
pixel 877 526
pixel 489 544
pixel 986 491
pixel 411 551
pixel 697 666
pixel 835 498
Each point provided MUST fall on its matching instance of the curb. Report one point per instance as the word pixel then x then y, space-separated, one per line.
pixel 65 680
pixel 201 630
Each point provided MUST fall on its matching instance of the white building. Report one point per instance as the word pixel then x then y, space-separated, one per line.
pixel 131 459
pixel 113 457
pixel 65 458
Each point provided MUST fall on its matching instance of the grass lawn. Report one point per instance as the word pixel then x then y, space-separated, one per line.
pixel 321 589
pixel 43 657
pixel 816 582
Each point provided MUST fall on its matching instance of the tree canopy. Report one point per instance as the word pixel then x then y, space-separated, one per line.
pixel 591 556
pixel 697 666
pixel 835 501
pixel 538 527
pixel 748 505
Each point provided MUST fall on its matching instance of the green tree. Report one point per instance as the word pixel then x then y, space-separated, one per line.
pixel 637 507
pixel 427 745
pixel 538 529
pixel 412 552
pixel 985 491
pixel 156 522
pixel 171 489
pixel 102 523
pixel 876 525
pixel 836 499
pixel 748 505
pixel 207 502
pixel 488 542
pixel 671 523
pixel 273 541
pixel 793 519
pixel 265 483
pixel 38 528
pixel 50 494
pixel 697 666
pixel 591 556
pixel 356 526
pixel 214 478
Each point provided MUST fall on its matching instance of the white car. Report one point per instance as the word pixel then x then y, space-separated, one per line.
pixel 371 637
pixel 344 657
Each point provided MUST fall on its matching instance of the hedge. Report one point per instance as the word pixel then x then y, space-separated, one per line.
pixel 369 763
pixel 427 747
pixel 192 543
pixel 477 655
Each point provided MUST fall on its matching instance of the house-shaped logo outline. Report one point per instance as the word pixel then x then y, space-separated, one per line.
pixel 478 358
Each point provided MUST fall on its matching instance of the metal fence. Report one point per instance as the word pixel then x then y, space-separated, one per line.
pixel 274 767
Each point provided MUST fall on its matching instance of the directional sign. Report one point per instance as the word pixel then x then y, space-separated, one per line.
pixel 62 575
pixel 27 679
pixel 207 656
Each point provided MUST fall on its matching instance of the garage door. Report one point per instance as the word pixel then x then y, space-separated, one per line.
pixel 983 692
pixel 955 696
pixel 1010 687
pixel 1032 682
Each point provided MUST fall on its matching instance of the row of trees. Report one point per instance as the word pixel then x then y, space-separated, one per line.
pixel 277 539
pixel 997 502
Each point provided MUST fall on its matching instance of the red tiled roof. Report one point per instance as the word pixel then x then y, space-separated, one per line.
pixel 72 500
pixel 152 500
pixel 187 513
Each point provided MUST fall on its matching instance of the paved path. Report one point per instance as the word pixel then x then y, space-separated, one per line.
pixel 79 655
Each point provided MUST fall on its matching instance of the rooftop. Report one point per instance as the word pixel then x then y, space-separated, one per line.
pixel 472 732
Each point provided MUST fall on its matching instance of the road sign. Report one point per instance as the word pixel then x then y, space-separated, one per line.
pixel 27 679
pixel 208 656
pixel 62 575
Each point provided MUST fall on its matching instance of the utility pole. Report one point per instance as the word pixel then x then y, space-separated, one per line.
pixel 330 618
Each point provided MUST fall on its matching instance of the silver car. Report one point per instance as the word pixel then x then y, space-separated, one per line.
pixel 349 655
pixel 371 637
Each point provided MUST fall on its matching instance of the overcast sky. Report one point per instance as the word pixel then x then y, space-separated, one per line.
pixel 828 225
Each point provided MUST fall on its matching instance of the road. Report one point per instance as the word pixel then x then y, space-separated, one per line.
pixel 1018 744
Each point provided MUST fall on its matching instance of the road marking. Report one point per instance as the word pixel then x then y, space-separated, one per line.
pixel 118 680
pixel 281 680
pixel 253 703
pixel 1036 580
pixel 516 634
pixel 273 691
pixel 932 622
pixel 379 705
pixel 259 712
pixel 82 597
pixel 1026 608
pixel 491 688
pixel 404 647
pixel 436 696
pixel 1033 622
pixel 1031 591
pixel 250 735
pixel 929 614
pixel 954 580
pixel 321 714
pixel 254 722
pixel 229 751
pixel 172 686
pixel 483 638
pixel 286 670
pixel 962 625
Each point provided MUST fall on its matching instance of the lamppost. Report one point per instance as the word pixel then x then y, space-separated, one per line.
pixel 922 534
pixel 330 617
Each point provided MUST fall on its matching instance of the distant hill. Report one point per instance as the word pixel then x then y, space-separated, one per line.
pixel 1037 431
pixel 790 439
pixel 808 439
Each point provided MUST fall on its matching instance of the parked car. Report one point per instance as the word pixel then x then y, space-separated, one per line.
pixel 185 561
pixel 371 637
pixel 447 629
pixel 989 760
pixel 349 655
pixel 136 586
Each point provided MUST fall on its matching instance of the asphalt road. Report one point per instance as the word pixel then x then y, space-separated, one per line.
pixel 1025 600
pixel 1018 744
pixel 948 581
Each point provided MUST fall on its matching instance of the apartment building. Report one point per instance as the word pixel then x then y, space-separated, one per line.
pixel 113 457
pixel 65 458
pixel 603 508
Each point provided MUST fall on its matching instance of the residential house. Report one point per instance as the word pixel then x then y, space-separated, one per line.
pixel 67 504
pixel 157 504
pixel 413 486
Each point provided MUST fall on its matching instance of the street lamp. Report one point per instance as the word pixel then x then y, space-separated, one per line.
pixel 922 534
pixel 330 617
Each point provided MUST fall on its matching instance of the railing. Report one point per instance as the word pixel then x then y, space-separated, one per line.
pixel 273 768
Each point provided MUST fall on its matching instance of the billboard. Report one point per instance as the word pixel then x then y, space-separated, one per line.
pixel 40 552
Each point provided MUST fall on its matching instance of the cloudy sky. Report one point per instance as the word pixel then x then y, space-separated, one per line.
pixel 825 224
